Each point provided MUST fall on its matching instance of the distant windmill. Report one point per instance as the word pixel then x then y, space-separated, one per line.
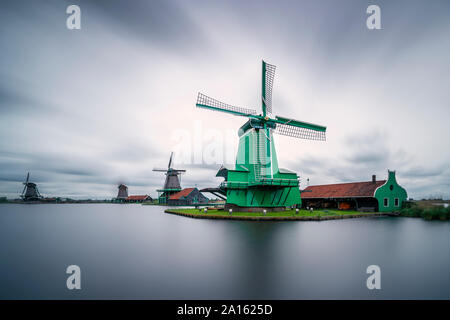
pixel 123 191
pixel 256 180
pixel 172 184
pixel 30 190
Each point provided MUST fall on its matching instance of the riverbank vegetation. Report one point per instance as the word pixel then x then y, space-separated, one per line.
pixel 427 210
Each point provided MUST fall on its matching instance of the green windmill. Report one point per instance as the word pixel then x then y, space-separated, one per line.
pixel 257 182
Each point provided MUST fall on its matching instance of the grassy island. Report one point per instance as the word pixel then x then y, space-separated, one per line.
pixel 281 215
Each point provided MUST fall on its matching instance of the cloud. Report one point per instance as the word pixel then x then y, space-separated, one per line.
pixel 164 22
pixel 424 172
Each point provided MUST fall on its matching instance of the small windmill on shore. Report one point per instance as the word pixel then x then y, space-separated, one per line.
pixel 257 182
pixel 122 194
pixel 30 190
pixel 171 184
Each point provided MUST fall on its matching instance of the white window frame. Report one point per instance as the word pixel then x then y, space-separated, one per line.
pixel 387 202
pixel 397 202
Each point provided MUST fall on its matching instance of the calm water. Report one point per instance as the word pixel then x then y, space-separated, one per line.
pixel 134 251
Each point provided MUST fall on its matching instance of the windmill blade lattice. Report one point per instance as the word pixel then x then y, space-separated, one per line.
pixel 298 132
pixel 203 101
pixel 268 81
pixel 25 184
pixel 170 161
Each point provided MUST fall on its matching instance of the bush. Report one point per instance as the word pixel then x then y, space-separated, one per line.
pixel 444 214
pixel 427 213
pixel 408 204
pixel 413 211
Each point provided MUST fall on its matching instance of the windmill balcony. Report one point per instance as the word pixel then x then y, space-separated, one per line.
pixel 275 182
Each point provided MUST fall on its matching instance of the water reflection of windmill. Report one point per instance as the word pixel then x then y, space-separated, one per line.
pixel 30 190
pixel 172 184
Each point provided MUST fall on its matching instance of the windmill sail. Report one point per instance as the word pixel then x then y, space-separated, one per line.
pixel 267 85
pixel 263 159
pixel 302 133
pixel 299 129
pixel 206 102
pixel 170 161
pixel 25 184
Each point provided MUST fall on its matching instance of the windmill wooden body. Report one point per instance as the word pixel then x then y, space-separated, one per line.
pixel 257 182
pixel 122 194
pixel 30 190
pixel 172 183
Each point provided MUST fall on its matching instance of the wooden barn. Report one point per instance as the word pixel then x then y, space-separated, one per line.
pixel 138 198
pixel 187 197
pixel 375 195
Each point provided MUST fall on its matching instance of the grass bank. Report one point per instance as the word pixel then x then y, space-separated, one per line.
pixel 426 210
pixel 281 215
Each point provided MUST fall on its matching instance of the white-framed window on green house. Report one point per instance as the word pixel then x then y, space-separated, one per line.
pixel 386 202
pixel 396 202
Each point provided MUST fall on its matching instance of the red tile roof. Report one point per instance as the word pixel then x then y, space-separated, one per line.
pixel 342 190
pixel 137 198
pixel 182 193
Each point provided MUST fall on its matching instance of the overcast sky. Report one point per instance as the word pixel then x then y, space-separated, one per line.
pixel 83 110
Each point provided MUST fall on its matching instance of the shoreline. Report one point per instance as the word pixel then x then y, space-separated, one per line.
pixel 282 218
